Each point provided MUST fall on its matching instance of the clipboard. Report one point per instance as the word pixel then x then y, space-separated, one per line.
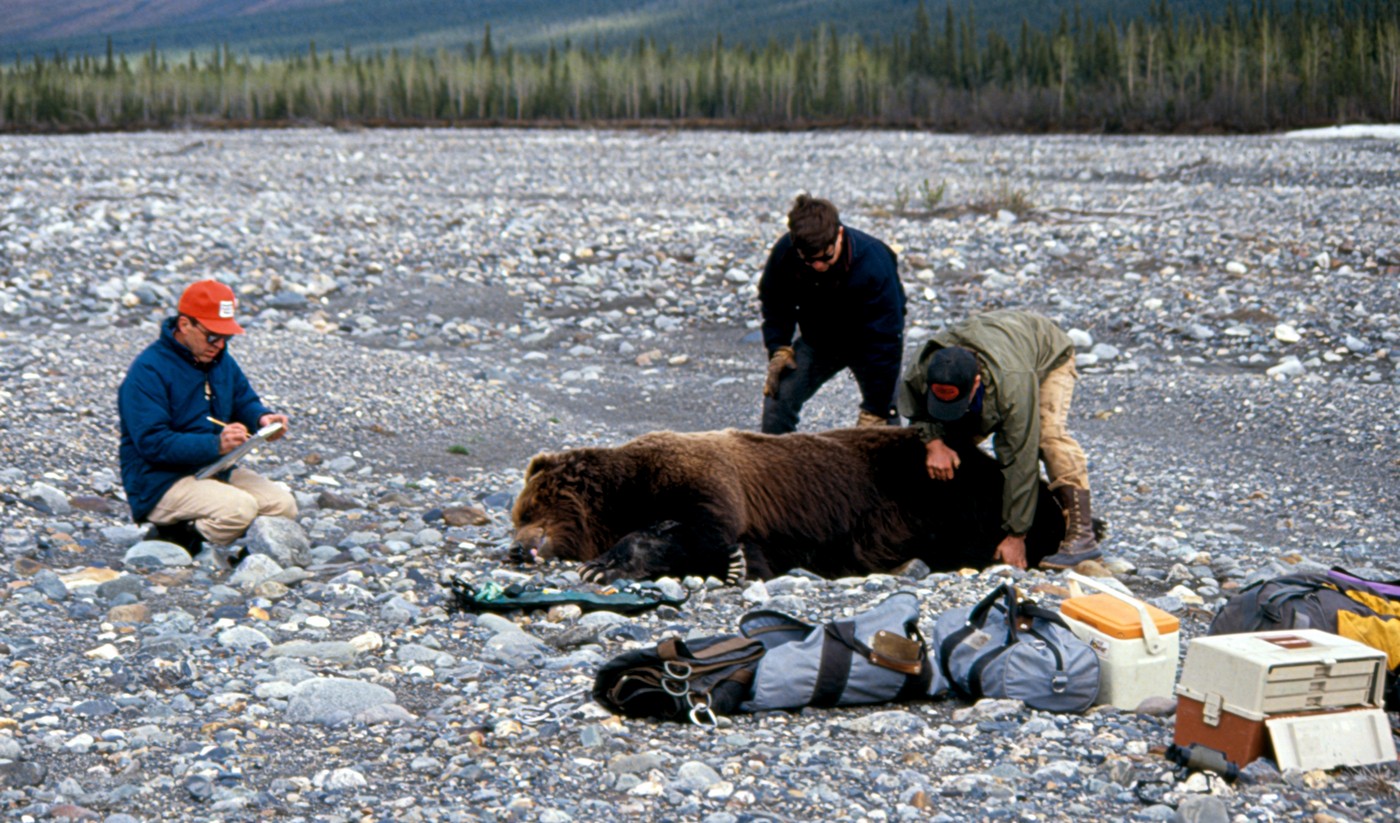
pixel 264 435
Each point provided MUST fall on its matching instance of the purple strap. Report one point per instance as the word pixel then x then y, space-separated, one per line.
pixel 1387 589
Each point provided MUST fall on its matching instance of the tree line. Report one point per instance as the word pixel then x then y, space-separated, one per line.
pixel 1254 67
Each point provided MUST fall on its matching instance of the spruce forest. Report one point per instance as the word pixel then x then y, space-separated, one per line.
pixel 1252 67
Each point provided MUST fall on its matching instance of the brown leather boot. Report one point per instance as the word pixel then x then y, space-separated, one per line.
pixel 1079 543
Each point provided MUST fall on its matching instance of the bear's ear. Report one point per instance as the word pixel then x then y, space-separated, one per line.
pixel 544 461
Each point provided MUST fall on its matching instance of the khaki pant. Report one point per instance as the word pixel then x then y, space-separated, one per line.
pixel 223 511
pixel 1064 459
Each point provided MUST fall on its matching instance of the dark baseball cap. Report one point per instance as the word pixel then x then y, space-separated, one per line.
pixel 951 372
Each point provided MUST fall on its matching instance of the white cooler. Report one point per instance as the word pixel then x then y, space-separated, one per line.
pixel 1137 644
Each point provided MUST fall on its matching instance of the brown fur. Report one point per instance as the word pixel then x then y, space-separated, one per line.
pixel 850 501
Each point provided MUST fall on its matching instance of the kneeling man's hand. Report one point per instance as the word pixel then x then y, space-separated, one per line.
pixel 942 461
pixel 1012 551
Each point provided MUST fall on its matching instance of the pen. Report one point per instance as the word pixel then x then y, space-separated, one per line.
pixel 216 421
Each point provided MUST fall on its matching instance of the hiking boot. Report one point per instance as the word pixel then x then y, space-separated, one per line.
pixel 1079 543
pixel 182 533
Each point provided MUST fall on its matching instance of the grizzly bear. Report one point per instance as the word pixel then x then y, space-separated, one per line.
pixel 731 504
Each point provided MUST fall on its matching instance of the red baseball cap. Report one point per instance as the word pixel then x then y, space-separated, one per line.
pixel 212 304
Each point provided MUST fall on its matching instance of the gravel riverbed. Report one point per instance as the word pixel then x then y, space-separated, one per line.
pixel 433 307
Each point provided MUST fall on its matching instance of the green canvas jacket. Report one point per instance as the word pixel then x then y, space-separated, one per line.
pixel 1015 351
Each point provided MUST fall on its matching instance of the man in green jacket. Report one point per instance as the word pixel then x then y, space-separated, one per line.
pixel 1008 373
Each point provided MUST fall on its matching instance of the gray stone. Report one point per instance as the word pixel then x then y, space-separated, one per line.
pixel 50 499
pixel 10 748
pixel 343 779
pixel 1104 351
pixel 281 539
pixel 641 762
pixel 384 713
pixel 155 554
pixel 254 569
pixel 671 588
pixel 18 774
pixel 1059 771
pixel 286 300
pixel 126 584
pixel 894 722
pixel 1202 808
pixel 123 537
pixel 342 464
pixel 695 776
pixel 497 623
pixel 516 649
pixel 337 651
pixel 243 638
pixel 50 584
pixel 320 699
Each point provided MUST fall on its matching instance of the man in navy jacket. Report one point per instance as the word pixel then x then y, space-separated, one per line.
pixel 840 288
pixel 169 403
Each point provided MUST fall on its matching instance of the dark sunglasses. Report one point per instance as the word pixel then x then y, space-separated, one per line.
pixel 210 337
pixel 828 257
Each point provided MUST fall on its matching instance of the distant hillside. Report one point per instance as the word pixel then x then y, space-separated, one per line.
pixel 281 27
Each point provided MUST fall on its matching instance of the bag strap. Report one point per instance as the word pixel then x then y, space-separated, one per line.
pixel 1033 610
pixel 839 644
pixel 712 657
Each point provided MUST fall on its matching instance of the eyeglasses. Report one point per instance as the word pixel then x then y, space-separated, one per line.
pixel 210 337
pixel 826 258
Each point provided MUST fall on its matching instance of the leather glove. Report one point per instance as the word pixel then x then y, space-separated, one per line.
pixel 868 419
pixel 783 359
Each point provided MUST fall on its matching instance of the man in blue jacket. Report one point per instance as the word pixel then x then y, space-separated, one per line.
pixel 840 288
pixel 169 403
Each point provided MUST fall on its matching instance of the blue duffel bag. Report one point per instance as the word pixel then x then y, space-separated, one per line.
pixel 1006 647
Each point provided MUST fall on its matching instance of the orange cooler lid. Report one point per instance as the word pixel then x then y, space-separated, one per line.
pixel 1115 617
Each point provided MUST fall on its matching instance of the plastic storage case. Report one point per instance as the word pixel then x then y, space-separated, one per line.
pixel 1301 685
pixel 1137 644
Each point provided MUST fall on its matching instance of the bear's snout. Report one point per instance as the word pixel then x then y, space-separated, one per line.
pixel 530 546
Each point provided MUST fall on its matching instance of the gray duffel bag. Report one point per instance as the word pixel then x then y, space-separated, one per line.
pixel 877 656
pixel 1004 647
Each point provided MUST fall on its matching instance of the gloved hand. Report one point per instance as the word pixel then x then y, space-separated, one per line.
pixel 867 419
pixel 783 359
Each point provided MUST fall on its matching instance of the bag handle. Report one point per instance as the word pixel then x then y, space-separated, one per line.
pixel 1006 591
pixel 1151 636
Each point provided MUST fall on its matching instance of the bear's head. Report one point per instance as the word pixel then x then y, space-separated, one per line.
pixel 562 511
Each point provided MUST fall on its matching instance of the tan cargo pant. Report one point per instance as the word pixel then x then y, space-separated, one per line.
pixel 223 511
pixel 1064 459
